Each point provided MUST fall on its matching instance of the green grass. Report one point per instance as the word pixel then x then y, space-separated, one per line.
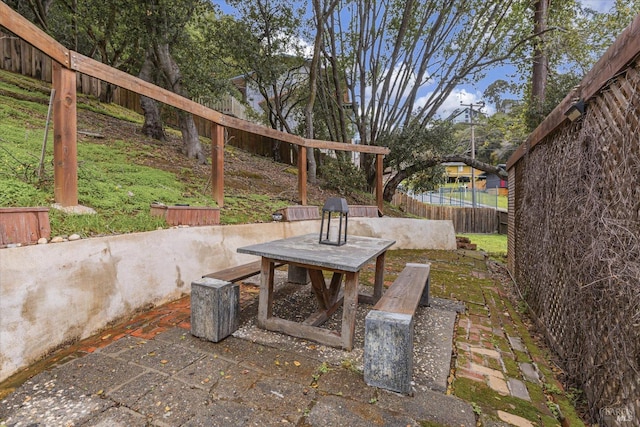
pixel 493 244
pixel 112 176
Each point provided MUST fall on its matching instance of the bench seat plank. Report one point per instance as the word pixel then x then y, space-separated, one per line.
pixel 239 272
pixel 403 296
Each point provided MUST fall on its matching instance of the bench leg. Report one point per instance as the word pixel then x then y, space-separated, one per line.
pixel 388 351
pixel 215 306
pixel 424 299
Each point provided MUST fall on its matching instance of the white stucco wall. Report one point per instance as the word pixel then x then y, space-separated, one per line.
pixel 56 293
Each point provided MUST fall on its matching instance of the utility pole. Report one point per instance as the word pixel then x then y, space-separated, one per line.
pixel 479 105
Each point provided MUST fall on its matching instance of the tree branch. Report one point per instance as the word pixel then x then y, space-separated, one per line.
pixel 476 164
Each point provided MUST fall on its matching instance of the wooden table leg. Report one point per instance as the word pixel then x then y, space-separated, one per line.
pixel 378 283
pixel 379 277
pixel 350 306
pixel 334 287
pixel 319 288
pixel 265 300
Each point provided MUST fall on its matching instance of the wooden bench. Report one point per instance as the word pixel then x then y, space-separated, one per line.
pixel 388 338
pixel 238 273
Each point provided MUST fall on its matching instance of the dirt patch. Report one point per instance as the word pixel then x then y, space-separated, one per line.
pixel 244 173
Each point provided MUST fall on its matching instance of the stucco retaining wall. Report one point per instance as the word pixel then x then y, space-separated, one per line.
pixel 57 293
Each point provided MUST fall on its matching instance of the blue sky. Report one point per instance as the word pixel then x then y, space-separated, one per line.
pixel 472 92
pixel 469 93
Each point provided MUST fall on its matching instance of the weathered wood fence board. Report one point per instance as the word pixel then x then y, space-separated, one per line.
pixel 465 220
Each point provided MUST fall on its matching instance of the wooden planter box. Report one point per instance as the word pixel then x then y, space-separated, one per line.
pixel 305 212
pixel 299 213
pixel 24 225
pixel 363 211
pixel 187 215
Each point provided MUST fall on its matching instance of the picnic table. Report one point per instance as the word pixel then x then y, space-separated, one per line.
pixel 345 262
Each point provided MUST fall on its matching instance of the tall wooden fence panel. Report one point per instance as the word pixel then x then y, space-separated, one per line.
pixel 575 236
pixel 465 220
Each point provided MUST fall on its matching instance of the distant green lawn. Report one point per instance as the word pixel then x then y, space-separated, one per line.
pixel 494 244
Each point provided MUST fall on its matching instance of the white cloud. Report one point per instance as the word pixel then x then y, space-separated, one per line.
pixel 453 101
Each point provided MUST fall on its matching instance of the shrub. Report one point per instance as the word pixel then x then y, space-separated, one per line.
pixel 342 176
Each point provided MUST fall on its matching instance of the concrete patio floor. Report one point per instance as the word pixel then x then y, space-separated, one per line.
pixel 472 363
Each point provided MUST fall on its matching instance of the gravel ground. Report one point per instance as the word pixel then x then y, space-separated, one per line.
pixel 433 332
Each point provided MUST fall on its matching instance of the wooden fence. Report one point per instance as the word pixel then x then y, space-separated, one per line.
pixel 574 232
pixel 465 220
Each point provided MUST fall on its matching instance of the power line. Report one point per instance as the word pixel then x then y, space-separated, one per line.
pixel 479 105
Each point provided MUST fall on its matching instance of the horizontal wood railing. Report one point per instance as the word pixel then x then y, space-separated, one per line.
pixel 65 137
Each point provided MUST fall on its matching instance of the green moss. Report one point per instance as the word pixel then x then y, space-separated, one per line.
pixel 494 363
pixel 522 357
pixel 511 366
pixel 478 310
pixel 490 401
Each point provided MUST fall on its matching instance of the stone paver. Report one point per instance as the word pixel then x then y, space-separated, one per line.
pixel 518 389
pixel 485 352
pixel 530 372
pixel 514 419
pixel 498 384
pixel 487 371
pixel 153 372
pixel 516 343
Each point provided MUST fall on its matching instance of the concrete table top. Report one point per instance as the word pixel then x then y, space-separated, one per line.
pixel 306 249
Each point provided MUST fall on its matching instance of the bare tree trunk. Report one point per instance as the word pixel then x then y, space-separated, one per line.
pixel 392 185
pixel 321 13
pixel 190 133
pixel 107 90
pixel 171 72
pixel 152 126
pixel 540 69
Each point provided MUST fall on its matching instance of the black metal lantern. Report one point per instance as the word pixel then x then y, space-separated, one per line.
pixel 328 236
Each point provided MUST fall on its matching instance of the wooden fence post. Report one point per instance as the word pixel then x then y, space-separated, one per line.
pixel 379 173
pixel 217 163
pixel 65 136
pixel 302 174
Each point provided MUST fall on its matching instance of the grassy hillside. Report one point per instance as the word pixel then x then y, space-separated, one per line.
pixel 121 172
